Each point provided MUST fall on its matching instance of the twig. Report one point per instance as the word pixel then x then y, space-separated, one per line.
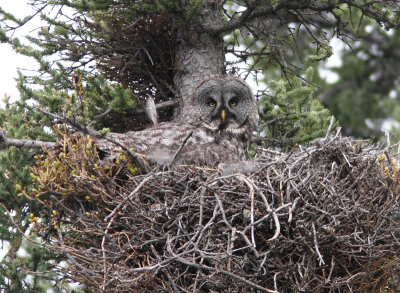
pixel 276 220
pixel 69 256
pixel 328 131
pixel 291 152
pixel 373 13
pixel 103 242
pixel 128 197
pixel 76 125
pixel 207 268
pixel 251 190
pixel 180 148
pixel 159 106
pixel 321 260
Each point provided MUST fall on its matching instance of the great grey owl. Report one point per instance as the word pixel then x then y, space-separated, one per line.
pixel 221 117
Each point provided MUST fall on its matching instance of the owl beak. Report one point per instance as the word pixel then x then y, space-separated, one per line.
pixel 223 115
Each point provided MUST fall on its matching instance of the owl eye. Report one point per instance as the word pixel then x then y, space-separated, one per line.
pixel 211 103
pixel 233 102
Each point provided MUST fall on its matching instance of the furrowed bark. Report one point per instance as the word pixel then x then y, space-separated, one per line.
pixel 198 53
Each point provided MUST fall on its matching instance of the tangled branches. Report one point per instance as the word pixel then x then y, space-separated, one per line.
pixel 320 219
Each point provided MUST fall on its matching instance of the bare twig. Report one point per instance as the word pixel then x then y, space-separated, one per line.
pixel 180 148
pixel 320 258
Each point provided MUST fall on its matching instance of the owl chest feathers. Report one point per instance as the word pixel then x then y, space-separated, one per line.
pixel 160 144
pixel 205 147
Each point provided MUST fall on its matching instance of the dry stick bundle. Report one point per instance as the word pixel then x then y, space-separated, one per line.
pixel 319 219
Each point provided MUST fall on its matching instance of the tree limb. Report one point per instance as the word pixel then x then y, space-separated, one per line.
pixel 24 143
pixel 250 13
pixel 380 17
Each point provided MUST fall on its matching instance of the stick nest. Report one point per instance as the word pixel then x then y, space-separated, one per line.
pixel 321 219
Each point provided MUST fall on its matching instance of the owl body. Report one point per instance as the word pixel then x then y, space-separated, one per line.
pixel 221 119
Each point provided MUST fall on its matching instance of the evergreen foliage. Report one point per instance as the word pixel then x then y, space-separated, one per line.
pixel 27 266
pixel 100 60
pixel 292 114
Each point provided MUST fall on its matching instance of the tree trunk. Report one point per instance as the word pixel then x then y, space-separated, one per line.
pixel 198 53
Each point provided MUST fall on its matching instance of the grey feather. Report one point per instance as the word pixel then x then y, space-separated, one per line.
pixel 151 110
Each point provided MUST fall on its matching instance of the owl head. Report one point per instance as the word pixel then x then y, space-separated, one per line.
pixel 225 103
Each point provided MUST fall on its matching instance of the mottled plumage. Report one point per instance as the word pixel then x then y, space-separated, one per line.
pixel 222 115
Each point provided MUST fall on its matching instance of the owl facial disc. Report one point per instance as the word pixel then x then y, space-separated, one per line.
pixel 225 104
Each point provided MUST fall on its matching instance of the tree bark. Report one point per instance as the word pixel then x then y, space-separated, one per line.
pixel 198 53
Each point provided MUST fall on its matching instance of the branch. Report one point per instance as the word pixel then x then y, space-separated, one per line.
pixel 370 12
pixel 162 105
pixel 21 23
pixel 24 143
pixel 170 103
pixel 250 13
pixel 84 128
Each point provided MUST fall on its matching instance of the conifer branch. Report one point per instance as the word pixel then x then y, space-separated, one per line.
pixel 380 17
pixel 250 14
pixel 84 128
pixel 24 143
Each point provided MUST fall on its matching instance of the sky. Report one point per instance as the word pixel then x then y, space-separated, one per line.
pixel 9 64
pixel 10 61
